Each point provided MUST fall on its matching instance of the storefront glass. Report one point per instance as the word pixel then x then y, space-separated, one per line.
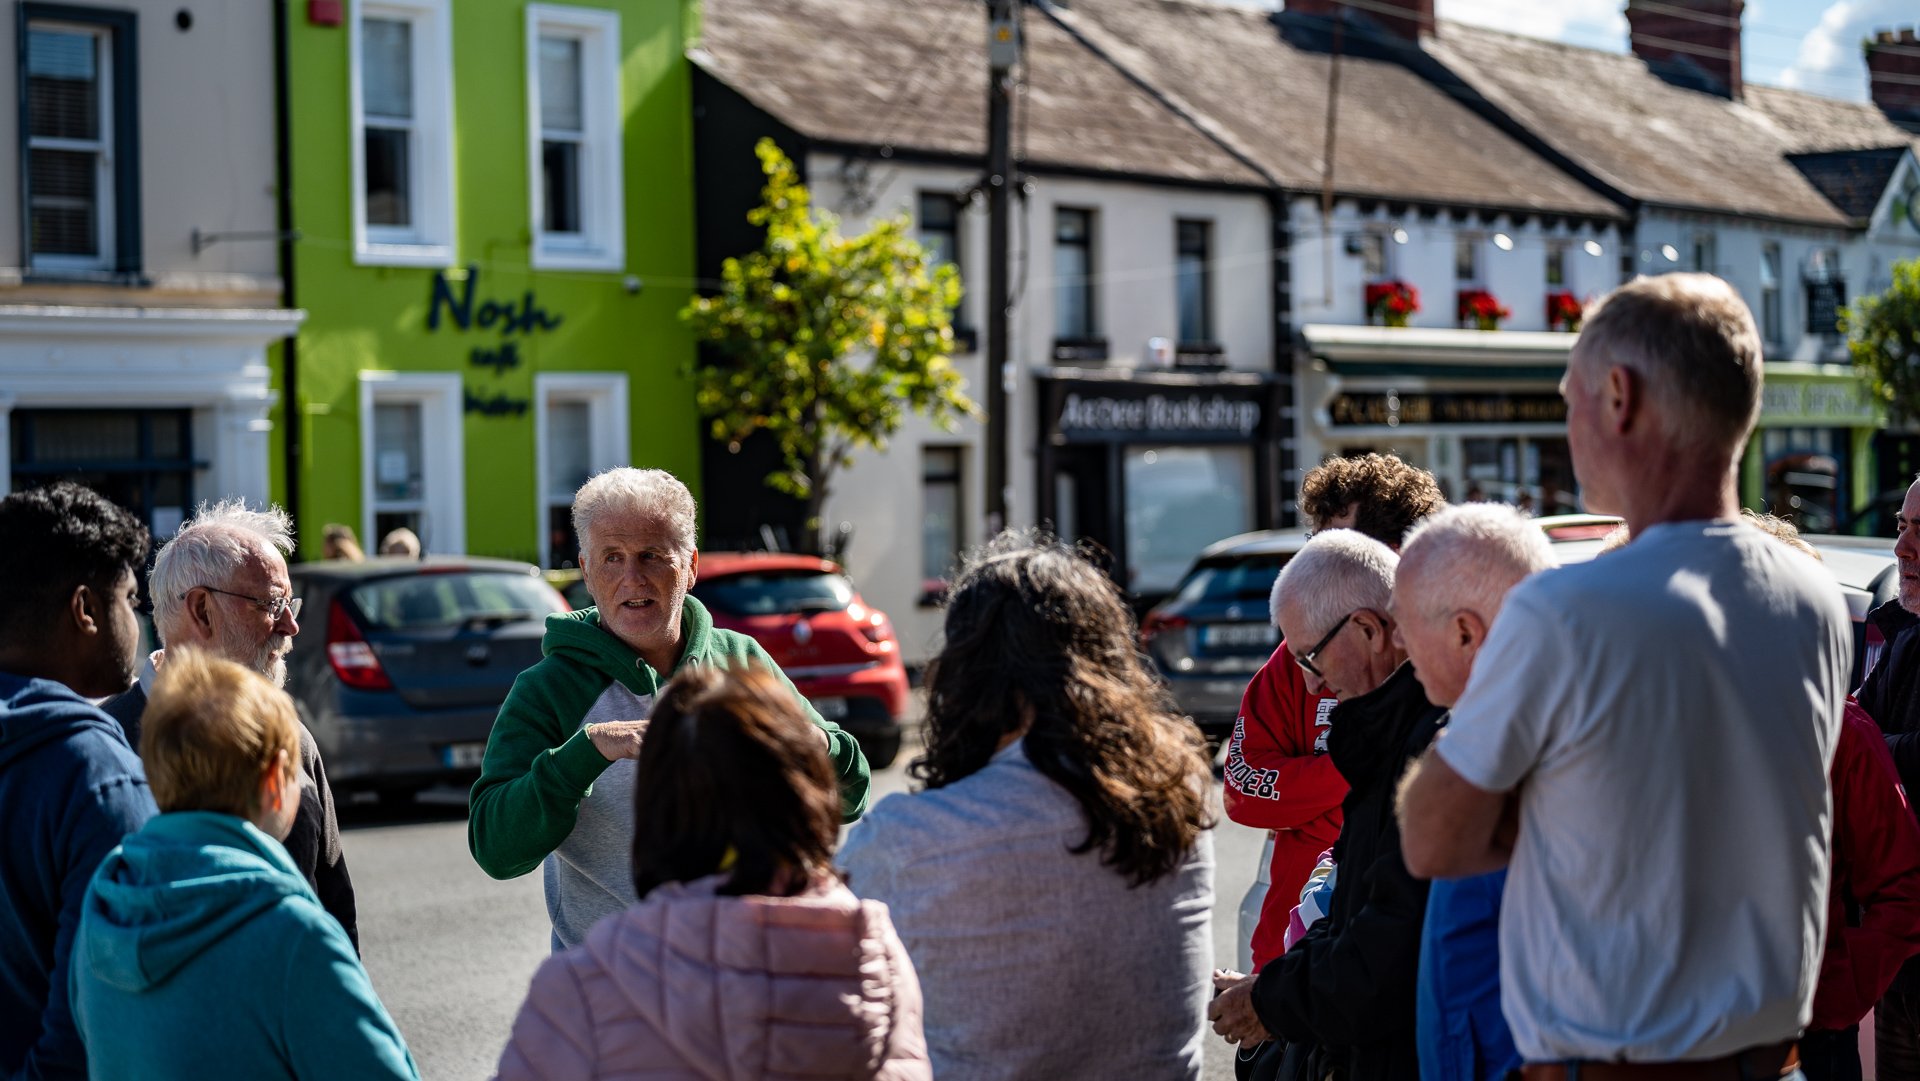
pixel 1179 500
pixel 1806 473
pixel 1534 473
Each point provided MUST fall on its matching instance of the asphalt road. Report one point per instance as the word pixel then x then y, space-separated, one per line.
pixel 450 950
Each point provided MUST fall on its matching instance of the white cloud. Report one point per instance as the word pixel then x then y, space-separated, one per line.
pixel 1599 24
pixel 1829 59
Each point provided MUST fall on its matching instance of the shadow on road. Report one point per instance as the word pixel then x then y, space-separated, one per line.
pixel 363 811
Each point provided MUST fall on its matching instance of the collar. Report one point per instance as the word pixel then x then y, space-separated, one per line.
pixel 1367 733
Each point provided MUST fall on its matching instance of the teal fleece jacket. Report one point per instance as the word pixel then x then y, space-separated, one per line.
pixel 203 953
pixel 540 765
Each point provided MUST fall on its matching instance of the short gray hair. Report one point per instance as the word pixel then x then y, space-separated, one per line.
pixel 626 490
pixel 1469 555
pixel 1339 571
pixel 1694 341
pixel 207 548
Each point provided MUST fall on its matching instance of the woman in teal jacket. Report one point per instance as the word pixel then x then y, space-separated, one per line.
pixel 202 952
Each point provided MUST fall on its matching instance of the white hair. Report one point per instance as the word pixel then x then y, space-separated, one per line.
pixel 1468 556
pixel 208 548
pixel 626 491
pixel 1339 571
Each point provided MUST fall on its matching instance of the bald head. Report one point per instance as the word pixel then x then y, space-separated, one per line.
pixel 1455 571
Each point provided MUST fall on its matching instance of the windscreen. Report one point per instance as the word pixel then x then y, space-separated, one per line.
pixel 769 593
pixel 429 601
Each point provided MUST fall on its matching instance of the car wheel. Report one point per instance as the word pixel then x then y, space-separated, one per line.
pixel 880 750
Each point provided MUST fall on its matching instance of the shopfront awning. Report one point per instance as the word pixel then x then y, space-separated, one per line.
pixel 1438 352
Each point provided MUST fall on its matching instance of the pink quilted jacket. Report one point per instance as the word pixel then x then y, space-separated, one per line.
pixel 689 985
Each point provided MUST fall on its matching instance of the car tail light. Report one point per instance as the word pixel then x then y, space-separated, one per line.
pixel 1157 624
pixel 350 654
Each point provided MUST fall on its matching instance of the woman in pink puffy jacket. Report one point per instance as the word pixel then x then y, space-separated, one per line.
pixel 746 957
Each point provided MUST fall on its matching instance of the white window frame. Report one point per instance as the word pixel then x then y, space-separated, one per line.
pixel 443 467
pixel 601 242
pixel 105 223
pixel 429 241
pixel 609 444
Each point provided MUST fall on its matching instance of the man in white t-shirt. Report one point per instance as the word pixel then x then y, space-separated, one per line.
pixel 1645 738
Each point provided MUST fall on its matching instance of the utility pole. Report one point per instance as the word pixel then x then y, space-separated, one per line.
pixel 1003 53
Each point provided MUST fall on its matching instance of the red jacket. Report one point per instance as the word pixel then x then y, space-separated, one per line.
pixel 1876 870
pixel 1279 778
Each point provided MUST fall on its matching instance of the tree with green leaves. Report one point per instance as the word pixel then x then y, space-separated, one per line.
pixel 824 341
pixel 1883 333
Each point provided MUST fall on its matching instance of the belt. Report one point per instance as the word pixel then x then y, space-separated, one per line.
pixel 1765 1063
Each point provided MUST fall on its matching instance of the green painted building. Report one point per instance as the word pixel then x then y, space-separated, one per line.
pixel 494 202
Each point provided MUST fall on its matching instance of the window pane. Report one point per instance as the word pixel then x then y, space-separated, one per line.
pixel 1373 257
pixel 1072 264
pixel 1179 500
pixel 63 84
pixel 389 184
pixel 562 107
pixel 62 202
pixel 940 533
pixel 560 183
pixel 569 448
pixel 1770 266
pixel 939 228
pixel 386 67
pixel 1556 263
pixel 1466 258
pixel 397 452
pixel 1191 280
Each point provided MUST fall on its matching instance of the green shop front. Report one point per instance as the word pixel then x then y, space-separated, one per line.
pixel 494 203
pixel 1811 455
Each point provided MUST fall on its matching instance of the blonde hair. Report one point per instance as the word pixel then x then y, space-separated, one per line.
pixel 1781 530
pixel 211 728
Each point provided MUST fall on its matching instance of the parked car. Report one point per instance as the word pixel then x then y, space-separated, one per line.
pixel 839 651
pixel 414 658
pixel 1214 631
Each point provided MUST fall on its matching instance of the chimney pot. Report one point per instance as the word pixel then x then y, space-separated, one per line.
pixel 1884 37
pixel 1697 48
pixel 1408 20
pixel 1906 36
pixel 1893 76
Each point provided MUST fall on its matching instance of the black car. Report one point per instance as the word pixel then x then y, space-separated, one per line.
pixel 1215 631
pixel 402 664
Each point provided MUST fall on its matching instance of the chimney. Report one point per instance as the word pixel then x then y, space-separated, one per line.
pixel 1893 73
pixel 1690 43
pixel 1408 20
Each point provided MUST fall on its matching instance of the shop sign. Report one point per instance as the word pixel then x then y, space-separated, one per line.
pixel 509 317
pixel 1119 418
pixel 1390 410
pixel 1835 402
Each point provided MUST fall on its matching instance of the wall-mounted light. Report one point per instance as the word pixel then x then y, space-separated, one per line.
pixel 1399 235
pixel 1670 253
pixel 1592 247
pixel 1503 241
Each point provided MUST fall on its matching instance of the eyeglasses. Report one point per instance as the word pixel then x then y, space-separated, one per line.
pixel 1305 660
pixel 273 606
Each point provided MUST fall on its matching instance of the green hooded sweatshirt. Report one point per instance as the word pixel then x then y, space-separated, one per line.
pixel 547 798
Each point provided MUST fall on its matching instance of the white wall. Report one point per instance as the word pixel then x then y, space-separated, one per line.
pixel 880 494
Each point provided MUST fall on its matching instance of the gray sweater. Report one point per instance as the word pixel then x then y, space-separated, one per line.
pixel 1036 962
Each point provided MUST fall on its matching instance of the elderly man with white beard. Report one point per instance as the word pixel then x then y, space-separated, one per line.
pixel 221 585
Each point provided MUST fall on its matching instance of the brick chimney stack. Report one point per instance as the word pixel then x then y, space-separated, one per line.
pixel 1893 72
pixel 1409 20
pixel 1690 43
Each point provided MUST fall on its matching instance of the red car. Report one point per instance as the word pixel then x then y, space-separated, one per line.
pixel 803 611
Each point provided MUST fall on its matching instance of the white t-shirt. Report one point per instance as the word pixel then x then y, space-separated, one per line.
pixel 1669 712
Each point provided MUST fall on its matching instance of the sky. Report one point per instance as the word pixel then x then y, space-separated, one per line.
pixel 1811 45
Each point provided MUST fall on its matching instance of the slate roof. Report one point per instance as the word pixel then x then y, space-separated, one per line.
pixel 1397 135
pixel 1659 143
pixel 914 75
pixel 1853 180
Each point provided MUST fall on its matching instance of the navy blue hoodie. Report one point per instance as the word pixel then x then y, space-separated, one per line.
pixel 70 790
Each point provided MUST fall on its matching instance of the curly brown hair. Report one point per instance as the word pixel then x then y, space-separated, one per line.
pixel 1035 632
pixel 1388 495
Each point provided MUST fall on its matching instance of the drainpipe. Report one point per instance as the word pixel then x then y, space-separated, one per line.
pixel 292 418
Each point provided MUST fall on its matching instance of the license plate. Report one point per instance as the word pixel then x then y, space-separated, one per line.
pixel 463 755
pixel 1239 635
pixel 832 709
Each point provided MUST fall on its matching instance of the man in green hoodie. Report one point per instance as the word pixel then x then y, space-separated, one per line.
pixel 202 952
pixel 556 786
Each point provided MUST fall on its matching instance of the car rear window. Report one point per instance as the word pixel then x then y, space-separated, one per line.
pixel 425 601
pixel 768 593
pixel 1232 578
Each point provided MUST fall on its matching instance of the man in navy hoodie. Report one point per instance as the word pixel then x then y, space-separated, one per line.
pixel 70 786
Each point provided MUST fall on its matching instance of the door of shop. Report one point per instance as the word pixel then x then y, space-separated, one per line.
pixel 141 459
pixel 1086 496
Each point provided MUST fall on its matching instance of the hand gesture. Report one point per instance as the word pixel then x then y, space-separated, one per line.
pixel 617 739
pixel 1232 1010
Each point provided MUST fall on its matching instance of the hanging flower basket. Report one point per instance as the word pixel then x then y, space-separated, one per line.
pixel 1392 303
pixel 1564 312
pixel 1482 309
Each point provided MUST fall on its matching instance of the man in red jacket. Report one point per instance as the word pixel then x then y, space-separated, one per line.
pixel 1278 775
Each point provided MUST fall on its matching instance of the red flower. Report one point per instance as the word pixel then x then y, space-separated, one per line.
pixel 1564 310
pixel 1395 300
pixel 1482 307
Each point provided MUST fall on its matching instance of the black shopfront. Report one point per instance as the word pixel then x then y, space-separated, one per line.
pixel 1154 465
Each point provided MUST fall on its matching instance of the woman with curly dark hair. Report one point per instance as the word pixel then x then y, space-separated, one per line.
pixel 1054 882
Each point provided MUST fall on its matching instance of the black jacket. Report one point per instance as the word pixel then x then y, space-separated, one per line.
pixel 1891 696
pixel 1343 997
pixel 314 842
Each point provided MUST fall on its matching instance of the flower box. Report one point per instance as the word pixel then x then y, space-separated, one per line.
pixel 1481 309
pixel 1563 311
pixel 1392 303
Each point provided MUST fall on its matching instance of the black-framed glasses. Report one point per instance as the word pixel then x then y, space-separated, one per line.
pixel 1305 660
pixel 273 606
